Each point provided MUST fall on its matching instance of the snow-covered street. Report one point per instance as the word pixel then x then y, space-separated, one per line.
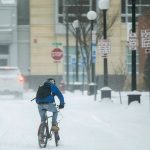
pixel 85 124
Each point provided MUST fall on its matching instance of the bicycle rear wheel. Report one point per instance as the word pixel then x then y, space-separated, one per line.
pixel 43 135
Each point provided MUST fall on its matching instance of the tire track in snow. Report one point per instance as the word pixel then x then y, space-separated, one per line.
pixel 109 129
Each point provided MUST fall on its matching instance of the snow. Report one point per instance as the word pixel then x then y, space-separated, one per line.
pixel 106 88
pixel 85 123
pixel 134 93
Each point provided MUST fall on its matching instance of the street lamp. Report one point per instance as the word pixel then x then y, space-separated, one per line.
pixel 104 5
pixel 134 96
pixel 76 27
pixel 92 15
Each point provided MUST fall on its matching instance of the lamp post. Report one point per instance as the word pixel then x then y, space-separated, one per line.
pixel 92 15
pixel 104 6
pixel 134 96
pixel 76 27
pixel 134 50
pixel 67 47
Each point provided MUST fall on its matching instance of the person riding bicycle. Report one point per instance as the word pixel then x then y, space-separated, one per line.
pixel 46 102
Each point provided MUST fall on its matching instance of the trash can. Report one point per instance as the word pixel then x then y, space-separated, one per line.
pixel 106 92
pixel 134 96
pixel 77 85
pixel 92 89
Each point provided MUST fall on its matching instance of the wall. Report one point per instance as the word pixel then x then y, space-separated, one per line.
pixel 24 49
pixel 42 36
pixel 8 30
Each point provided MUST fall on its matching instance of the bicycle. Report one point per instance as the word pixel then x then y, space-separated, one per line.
pixel 44 133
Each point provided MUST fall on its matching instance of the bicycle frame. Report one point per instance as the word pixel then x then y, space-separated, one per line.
pixel 48 131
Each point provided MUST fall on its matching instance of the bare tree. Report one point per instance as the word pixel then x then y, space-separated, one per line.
pixel 85 29
pixel 120 69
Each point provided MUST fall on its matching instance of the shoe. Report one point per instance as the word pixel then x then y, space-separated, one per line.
pixel 55 128
pixel 57 136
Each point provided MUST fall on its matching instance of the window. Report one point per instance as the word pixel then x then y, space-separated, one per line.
pixel 142 6
pixel 129 60
pixel 8 1
pixel 23 12
pixel 4 52
pixel 72 66
pixel 75 8
pixel 3 62
pixel 3 49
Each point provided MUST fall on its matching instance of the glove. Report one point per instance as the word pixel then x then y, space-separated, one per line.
pixel 61 106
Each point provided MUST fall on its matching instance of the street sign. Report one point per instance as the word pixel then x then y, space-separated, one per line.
pixel 132 41
pixel 145 38
pixel 57 54
pixel 104 46
pixel 56 44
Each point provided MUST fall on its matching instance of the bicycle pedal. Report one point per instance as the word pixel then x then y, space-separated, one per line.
pixel 49 137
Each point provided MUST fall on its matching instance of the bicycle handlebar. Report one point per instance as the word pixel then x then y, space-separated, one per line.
pixel 33 99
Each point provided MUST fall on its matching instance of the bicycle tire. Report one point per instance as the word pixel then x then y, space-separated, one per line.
pixel 42 135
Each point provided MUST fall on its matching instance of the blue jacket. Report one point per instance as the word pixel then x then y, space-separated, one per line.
pixel 50 98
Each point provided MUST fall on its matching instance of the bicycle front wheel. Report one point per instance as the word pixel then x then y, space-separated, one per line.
pixel 42 135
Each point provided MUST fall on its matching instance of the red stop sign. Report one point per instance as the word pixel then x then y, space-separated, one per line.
pixel 57 54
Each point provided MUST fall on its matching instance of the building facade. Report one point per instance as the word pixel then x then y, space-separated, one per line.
pixel 47 28
pixel 8 33
pixel 33 29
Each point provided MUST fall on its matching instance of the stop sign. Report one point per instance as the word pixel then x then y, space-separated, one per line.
pixel 57 53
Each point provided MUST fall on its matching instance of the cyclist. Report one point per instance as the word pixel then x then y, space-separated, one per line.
pixel 48 103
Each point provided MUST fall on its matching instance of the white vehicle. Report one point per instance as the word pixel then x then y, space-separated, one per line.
pixel 11 81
